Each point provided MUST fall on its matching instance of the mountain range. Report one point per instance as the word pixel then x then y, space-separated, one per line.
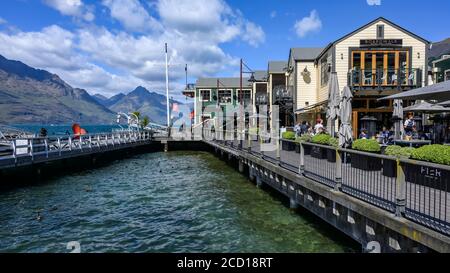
pixel 34 96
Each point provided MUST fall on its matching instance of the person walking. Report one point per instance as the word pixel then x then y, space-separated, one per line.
pixel 409 126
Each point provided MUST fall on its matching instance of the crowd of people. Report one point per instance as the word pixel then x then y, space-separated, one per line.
pixel 385 136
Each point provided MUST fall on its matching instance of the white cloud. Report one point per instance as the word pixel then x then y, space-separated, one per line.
pixel 109 61
pixel 132 15
pixel 3 21
pixel 74 8
pixel 306 25
pixel 373 2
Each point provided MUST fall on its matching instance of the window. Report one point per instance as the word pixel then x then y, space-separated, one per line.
pixel 247 96
pixel 224 96
pixel 205 95
pixel 324 70
pixel 380 31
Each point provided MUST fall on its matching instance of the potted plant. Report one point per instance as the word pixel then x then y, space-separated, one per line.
pixel 287 141
pixel 429 176
pixel 365 162
pixel 318 152
pixel 389 165
pixel 331 153
pixel 302 139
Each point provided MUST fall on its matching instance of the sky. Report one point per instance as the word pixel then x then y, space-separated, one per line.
pixel 113 46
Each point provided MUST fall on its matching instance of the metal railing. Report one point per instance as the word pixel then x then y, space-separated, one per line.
pixel 32 149
pixel 416 190
pixel 379 78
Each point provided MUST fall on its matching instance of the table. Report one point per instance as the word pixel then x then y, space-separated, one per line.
pixel 412 143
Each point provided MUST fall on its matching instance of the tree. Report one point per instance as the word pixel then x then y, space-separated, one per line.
pixel 145 121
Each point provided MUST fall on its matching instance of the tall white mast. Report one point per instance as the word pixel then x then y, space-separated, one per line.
pixel 167 90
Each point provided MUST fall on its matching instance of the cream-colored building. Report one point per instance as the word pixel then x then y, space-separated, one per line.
pixel 376 60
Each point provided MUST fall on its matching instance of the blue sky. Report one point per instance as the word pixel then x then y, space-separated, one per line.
pixel 111 46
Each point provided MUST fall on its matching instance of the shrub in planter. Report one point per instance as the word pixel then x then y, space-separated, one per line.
pixel 365 162
pixel 305 138
pixel 288 145
pixel 331 153
pixel 390 166
pixel 318 152
pixel 430 176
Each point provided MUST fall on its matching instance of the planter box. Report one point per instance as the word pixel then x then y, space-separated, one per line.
pixel 318 152
pixel 307 149
pixel 389 168
pixel 429 177
pixel 331 155
pixel 366 163
pixel 297 148
pixel 287 145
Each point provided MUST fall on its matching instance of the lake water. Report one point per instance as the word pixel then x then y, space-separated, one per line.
pixel 159 202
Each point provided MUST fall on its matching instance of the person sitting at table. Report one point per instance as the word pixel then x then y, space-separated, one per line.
pixel 409 126
pixel 384 135
pixel 363 134
pixel 415 134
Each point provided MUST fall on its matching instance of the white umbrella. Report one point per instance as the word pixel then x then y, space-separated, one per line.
pixel 345 130
pixel 333 102
pixel 398 118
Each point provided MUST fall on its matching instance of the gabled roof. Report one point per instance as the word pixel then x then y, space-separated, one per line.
pixel 224 83
pixel 261 75
pixel 368 25
pixel 305 53
pixel 277 67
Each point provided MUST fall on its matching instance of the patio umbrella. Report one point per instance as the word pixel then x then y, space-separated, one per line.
pixel 439 91
pixel 398 119
pixel 345 130
pixel 445 103
pixel 426 107
pixel 333 102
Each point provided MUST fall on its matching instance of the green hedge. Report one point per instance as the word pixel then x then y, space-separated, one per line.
pixel 304 138
pixel 366 145
pixel 436 153
pixel 398 151
pixel 333 142
pixel 321 139
pixel 288 135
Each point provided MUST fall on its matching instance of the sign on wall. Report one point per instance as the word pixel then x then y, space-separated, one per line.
pixel 381 43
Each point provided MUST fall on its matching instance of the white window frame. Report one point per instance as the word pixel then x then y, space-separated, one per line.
pixel 200 97
pixel 246 89
pixel 231 94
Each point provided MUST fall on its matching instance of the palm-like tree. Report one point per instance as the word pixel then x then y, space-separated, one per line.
pixel 145 121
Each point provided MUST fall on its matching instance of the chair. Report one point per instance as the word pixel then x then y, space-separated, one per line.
pixel 394 79
pixel 367 78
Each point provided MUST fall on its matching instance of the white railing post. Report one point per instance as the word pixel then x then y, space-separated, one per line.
pixel 30 143
pixel 46 147
pixel 90 142
pixel 400 197
pixel 70 143
pixel 338 178
pixel 14 150
pixel 59 146
pixel 302 159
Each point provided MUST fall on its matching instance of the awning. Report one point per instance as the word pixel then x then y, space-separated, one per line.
pixel 311 107
pixel 438 92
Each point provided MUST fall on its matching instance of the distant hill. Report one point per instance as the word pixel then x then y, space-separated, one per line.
pixel 148 103
pixel 34 96
pixel 438 49
pixel 107 102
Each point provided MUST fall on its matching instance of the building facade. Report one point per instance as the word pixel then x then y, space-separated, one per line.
pixel 376 60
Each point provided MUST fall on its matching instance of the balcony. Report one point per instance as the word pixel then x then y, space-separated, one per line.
pixel 189 91
pixel 283 94
pixel 385 79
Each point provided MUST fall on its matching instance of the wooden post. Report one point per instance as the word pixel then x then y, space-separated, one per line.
pixel 400 198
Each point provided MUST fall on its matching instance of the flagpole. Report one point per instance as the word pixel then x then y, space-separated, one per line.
pixel 167 90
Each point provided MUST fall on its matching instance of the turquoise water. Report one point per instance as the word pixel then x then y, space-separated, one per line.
pixel 159 202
